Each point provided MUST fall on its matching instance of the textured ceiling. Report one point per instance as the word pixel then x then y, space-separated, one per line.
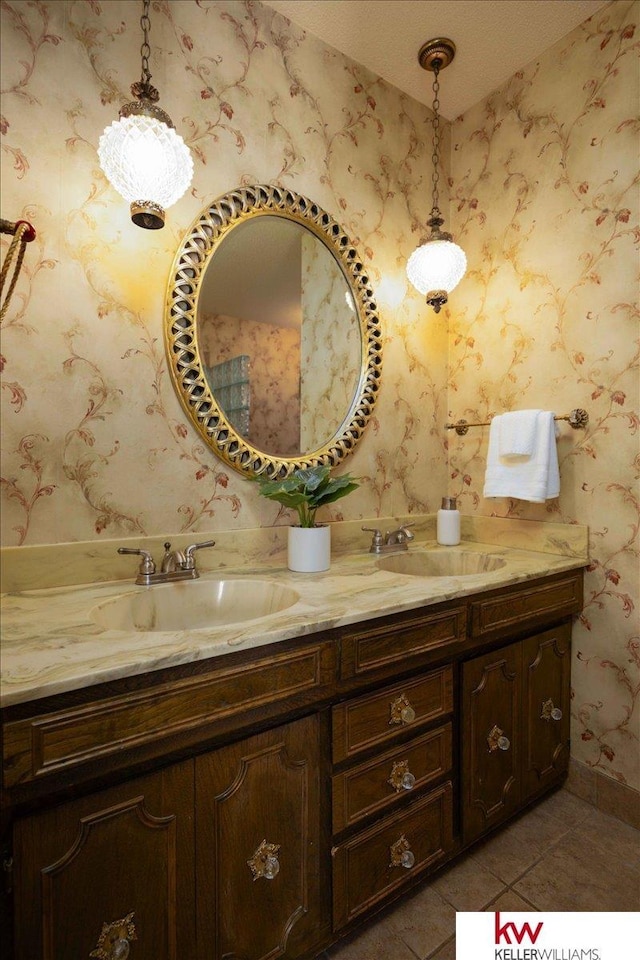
pixel 494 38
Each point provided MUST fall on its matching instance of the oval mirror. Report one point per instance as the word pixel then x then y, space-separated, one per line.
pixel 272 333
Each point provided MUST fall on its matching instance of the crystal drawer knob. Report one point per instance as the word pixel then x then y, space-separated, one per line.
pixel 407 859
pixel 401 777
pixel 401 854
pixel 271 868
pixel 408 781
pixel 504 743
pixel 401 711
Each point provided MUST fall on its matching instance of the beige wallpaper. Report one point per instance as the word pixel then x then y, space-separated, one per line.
pixel 94 442
pixel 545 181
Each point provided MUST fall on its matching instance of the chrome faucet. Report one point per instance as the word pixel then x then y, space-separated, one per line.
pixel 176 564
pixel 391 540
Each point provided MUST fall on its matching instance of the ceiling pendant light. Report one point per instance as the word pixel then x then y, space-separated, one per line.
pixel 438 265
pixel 144 158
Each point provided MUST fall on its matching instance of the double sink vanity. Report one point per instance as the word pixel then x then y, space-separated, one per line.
pixel 252 764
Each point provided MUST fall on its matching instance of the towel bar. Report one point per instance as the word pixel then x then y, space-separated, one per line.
pixel 578 419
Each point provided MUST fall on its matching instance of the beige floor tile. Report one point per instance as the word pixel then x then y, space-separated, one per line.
pixel 468 885
pixel 516 848
pixel 446 952
pixel 424 922
pixel 378 942
pixel 619 841
pixel 567 807
pixel 511 901
pixel 579 875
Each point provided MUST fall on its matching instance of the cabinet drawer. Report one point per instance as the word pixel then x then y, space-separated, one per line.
pixel 383 647
pixel 377 718
pixel 527 606
pixel 376 785
pixel 368 868
pixel 189 708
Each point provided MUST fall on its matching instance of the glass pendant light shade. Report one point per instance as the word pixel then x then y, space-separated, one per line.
pixel 436 267
pixel 148 163
pixel 439 264
pixel 144 158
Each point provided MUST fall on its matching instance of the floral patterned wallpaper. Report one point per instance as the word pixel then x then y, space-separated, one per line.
pixel 95 443
pixel 544 201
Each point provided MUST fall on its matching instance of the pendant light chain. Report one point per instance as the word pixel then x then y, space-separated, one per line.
pixel 435 156
pixel 144 89
pixel 145 49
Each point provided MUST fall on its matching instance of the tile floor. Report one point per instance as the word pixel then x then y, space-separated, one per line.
pixel 562 855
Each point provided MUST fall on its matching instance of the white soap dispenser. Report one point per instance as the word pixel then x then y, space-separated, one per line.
pixel 448 523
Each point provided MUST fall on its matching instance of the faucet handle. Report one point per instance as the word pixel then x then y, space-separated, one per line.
pixel 404 529
pixel 147 565
pixel 191 549
pixel 377 540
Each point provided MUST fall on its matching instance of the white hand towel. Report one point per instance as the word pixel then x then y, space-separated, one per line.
pixel 536 478
pixel 518 433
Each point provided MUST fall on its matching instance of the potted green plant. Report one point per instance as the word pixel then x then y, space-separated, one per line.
pixel 305 491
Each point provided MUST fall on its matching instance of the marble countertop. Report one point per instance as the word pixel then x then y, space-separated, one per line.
pixel 52 644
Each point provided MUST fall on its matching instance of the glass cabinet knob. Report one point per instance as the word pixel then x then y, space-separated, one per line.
pixel 408 859
pixel 401 854
pixel 114 940
pixel 271 868
pixel 401 711
pixel 264 862
pixel 401 777
pixel 549 712
pixel 408 781
pixel 408 714
pixel 497 740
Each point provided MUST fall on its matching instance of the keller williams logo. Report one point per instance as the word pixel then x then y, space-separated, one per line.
pixel 509 929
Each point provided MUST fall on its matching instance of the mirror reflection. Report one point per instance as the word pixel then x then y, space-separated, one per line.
pixel 279 336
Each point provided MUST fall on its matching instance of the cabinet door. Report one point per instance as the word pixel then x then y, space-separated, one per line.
pixel 258 838
pixel 114 866
pixel 545 694
pixel 490 739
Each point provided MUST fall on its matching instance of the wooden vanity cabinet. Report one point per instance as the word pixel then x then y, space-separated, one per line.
pixel 262 804
pixel 261 870
pixel 515 726
pixel 110 869
pixel 119 865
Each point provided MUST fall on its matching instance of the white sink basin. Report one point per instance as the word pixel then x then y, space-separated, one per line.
pixel 446 563
pixel 190 605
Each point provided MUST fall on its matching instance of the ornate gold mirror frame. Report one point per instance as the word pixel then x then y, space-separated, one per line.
pixel 203 238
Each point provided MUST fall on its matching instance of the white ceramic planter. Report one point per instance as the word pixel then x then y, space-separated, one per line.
pixel 309 549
